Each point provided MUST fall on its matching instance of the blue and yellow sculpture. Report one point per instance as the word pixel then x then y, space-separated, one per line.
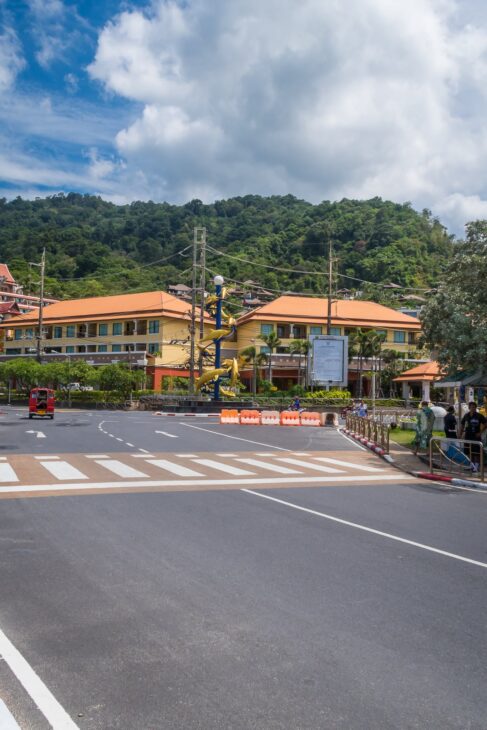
pixel 225 326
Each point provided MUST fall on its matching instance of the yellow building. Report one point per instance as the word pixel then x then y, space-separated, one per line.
pixel 296 318
pixel 127 327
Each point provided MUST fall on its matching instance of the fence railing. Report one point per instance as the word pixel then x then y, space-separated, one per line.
pixel 457 456
pixel 371 428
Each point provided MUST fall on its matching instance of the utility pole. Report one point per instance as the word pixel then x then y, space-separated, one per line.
pixel 192 326
pixel 202 234
pixel 330 284
pixel 40 322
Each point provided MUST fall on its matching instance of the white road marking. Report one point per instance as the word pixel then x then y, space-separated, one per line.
pixel 181 471
pixel 187 456
pixel 266 453
pixel 7 474
pixel 144 451
pixel 97 456
pixel 357 526
pixel 63 470
pixel 3 458
pixel 269 466
pixel 227 456
pixel 39 434
pixel 46 456
pixel 127 444
pixel 56 716
pixel 348 464
pixel 236 438
pixel 118 438
pixel 354 480
pixel 111 435
pixel 120 469
pixel 352 441
pixel 165 433
pixel 7 720
pixel 227 468
pixel 143 456
pixel 308 465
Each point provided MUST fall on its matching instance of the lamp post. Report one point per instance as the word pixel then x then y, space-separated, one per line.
pixel 218 281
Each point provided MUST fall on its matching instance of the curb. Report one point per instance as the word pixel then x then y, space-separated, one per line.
pixel 369 444
pixel 186 415
pixel 454 481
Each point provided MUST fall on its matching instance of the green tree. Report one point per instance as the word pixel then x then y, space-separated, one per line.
pixel 273 342
pixel 454 320
pixel 257 360
pixel 121 379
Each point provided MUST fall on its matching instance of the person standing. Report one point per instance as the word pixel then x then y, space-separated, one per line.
pixel 450 423
pixel 362 409
pixel 473 424
pixel 425 419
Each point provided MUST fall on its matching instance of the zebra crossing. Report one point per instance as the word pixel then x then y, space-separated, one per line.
pixel 26 472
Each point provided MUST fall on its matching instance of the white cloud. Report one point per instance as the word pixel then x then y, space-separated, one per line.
pixel 11 59
pixel 321 99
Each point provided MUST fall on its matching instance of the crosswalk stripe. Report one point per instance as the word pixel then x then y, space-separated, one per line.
pixel 62 470
pixel 307 465
pixel 348 464
pixel 120 469
pixel 269 466
pixel 227 468
pixel 7 474
pixel 181 471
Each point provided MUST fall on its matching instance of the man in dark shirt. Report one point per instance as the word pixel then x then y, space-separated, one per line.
pixel 450 424
pixel 473 423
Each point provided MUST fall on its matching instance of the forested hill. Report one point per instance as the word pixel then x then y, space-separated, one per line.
pixel 95 247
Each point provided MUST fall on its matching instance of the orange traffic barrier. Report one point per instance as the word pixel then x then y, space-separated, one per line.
pixel 229 416
pixel 290 418
pixel 269 418
pixel 310 418
pixel 251 418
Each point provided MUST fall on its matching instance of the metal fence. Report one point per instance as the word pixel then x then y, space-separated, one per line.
pixel 460 457
pixel 370 428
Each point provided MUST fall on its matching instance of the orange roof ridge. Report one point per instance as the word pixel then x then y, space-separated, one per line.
pixel 343 311
pixel 117 306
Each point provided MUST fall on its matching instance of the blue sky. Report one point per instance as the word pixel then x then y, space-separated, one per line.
pixel 169 100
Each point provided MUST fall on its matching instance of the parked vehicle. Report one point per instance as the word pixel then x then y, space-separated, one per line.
pixel 41 403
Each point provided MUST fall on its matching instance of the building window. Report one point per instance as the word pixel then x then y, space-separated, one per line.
pixel 117 328
pixel 381 332
pixel 17 334
pixel 116 348
pixel 70 330
pixel 81 348
pixel 13 350
pixel 70 348
pixel 102 348
pixel 266 329
pixel 315 330
pixel 58 333
pixel 153 347
pixel 153 326
pixel 29 334
pixel 102 330
pixel 266 350
pixel 399 337
pixel 335 331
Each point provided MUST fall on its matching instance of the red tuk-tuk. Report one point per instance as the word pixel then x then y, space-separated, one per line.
pixel 41 402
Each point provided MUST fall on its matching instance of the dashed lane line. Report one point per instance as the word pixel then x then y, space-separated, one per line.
pixel 236 438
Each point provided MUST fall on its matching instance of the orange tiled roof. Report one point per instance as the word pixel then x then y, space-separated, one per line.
pixel 345 312
pixel 121 306
pixel 4 271
pixel 425 371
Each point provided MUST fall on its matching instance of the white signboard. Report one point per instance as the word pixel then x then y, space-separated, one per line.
pixel 329 360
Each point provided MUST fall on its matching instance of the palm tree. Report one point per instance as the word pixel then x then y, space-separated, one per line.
pixel 295 349
pixel 256 359
pixel 361 345
pixel 305 348
pixel 273 342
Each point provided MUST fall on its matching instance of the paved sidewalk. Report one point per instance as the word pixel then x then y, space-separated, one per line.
pixel 405 459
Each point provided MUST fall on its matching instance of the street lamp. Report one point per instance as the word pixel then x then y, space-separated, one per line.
pixel 218 281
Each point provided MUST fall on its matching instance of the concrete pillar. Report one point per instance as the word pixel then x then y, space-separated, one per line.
pixel 405 390
pixel 425 387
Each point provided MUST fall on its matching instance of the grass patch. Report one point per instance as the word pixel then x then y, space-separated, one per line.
pixel 405 438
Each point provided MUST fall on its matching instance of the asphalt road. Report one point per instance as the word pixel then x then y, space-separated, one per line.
pixel 359 604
